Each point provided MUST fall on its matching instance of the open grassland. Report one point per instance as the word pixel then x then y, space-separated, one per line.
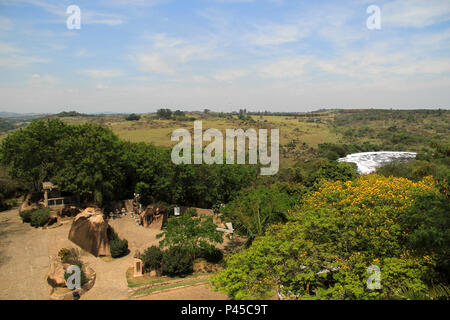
pixel 301 133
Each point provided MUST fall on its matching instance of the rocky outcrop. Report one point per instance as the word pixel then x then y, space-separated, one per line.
pixel 90 231
pixel 55 276
pixel 154 216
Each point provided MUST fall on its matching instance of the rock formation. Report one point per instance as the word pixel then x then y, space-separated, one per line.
pixel 154 216
pixel 90 231
pixel 55 276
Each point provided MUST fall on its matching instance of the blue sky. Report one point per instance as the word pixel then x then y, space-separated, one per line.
pixel 278 55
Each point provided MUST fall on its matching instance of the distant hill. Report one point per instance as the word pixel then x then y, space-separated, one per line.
pixel 17 115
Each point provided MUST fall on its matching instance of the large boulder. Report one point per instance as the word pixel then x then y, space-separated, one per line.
pixel 90 231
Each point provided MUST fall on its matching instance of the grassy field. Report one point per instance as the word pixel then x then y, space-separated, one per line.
pixel 300 134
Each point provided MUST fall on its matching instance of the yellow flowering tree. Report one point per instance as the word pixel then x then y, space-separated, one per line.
pixel 325 249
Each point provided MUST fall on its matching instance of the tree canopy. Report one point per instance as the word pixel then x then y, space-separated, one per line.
pixel 325 248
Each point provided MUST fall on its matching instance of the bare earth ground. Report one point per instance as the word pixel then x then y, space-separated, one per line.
pixel 25 252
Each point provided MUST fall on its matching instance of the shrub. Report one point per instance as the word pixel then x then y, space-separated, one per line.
pixel 118 247
pixel 71 256
pixel 26 215
pixel 40 217
pixel 213 255
pixel 176 262
pixel 152 258
pixel 133 117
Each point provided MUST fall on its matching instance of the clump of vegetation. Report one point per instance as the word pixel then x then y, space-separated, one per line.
pixel 152 259
pixel 118 247
pixel 65 114
pixel 91 161
pixel 164 114
pixel 255 209
pixel 176 261
pixel 190 233
pixel 212 254
pixel 340 230
pixel 36 217
pixel 133 117
pixel 70 256
pixel 40 217
pixel 25 215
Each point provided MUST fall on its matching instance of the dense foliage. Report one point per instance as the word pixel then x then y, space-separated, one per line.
pixel 35 217
pixel 324 251
pixel 190 233
pixel 176 262
pixel 152 258
pixel 253 210
pixel 89 160
pixel 118 247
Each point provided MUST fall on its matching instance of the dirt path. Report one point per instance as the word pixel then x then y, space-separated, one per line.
pixel 23 259
pixel 25 256
pixel 25 252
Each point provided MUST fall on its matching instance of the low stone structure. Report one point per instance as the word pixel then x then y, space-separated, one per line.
pixel 55 278
pixel 91 232
pixel 138 266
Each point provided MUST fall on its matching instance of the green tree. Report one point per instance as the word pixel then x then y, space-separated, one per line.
pixel 90 163
pixel 31 155
pixel 164 113
pixel 190 233
pixel 325 248
pixel 133 117
pixel 254 210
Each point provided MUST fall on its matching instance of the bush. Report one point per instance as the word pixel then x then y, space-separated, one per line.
pixel 70 256
pixel 118 247
pixel 40 217
pixel 133 117
pixel 213 255
pixel 152 258
pixel 176 262
pixel 26 216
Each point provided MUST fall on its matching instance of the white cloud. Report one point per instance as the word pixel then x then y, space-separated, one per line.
pixel 285 68
pixel 155 64
pixel 87 16
pixel 102 73
pixel 229 75
pixel 415 13
pixel 13 57
pixel 38 80
pixel 275 35
pixel 161 41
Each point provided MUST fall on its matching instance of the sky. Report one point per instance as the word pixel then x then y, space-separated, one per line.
pixel 223 55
